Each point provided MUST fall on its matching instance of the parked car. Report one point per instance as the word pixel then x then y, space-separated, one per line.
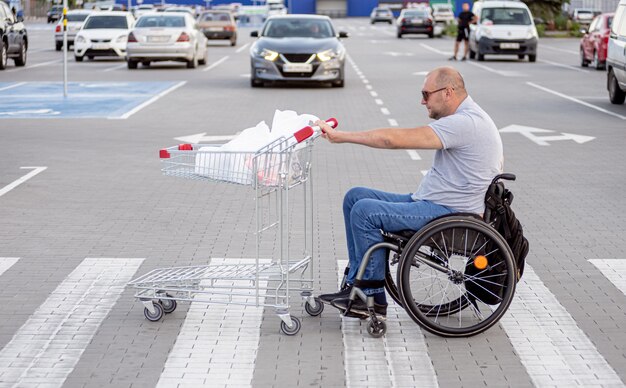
pixel 302 48
pixel 380 14
pixel 594 43
pixel 166 37
pixel 442 13
pixel 13 38
pixel 104 34
pixel 415 21
pixel 143 9
pixel 616 56
pixel 75 20
pixel 180 9
pixel 504 28
pixel 584 16
pixel 218 25
pixel 55 13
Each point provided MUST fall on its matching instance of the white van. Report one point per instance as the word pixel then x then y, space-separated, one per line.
pixel 503 28
pixel 616 56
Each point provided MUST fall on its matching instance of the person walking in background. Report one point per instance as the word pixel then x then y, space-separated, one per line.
pixel 463 22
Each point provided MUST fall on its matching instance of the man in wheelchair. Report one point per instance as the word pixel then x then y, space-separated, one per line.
pixel 468 155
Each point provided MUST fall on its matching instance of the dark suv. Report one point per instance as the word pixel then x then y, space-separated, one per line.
pixel 14 38
pixel 55 13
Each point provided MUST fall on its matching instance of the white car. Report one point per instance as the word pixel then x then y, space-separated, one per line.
pixel 75 20
pixel 166 36
pixel 504 28
pixel 143 9
pixel 104 34
pixel 616 56
pixel 442 13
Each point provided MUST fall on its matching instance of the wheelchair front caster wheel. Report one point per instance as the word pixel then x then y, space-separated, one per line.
pixel 314 311
pixel 169 305
pixel 156 315
pixel 376 328
pixel 294 329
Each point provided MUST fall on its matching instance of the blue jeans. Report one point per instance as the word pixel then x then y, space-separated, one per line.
pixel 366 212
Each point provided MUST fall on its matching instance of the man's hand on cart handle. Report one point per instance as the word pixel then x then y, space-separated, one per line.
pixel 328 129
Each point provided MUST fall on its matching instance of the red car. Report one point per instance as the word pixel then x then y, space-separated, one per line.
pixel 594 43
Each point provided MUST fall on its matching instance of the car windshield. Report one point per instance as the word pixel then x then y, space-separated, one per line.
pixel 383 12
pixel 298 28
pixel 215 16
pixel 161 21
pixel 106 22
pixel 509 16
pixel 584 13
pixel 76 17
pixel 416 14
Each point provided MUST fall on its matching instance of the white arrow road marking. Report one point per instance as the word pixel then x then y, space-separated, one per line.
pixel 614 270
pixel 6 263
pixel 45 350
pixel 576 100
pixel 14 184
pixel 414 155
pixel 399 359
pixel 216 63
pixel 201 137
pixel 544 140
pixel 47 112
pixel 549 343
pixel 218 343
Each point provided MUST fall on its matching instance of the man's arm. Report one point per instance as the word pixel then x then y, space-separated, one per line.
pixel 388 138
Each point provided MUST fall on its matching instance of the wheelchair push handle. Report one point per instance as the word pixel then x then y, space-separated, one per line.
pixel 506 176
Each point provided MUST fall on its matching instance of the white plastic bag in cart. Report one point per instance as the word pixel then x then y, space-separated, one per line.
pixel 233 161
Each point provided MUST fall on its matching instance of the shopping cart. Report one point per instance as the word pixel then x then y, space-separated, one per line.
pixel 273 172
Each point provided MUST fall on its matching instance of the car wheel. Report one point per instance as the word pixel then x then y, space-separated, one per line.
pixel 616 95
pixel 21 58
pixel 132 64
pixel 233 42
pixel 90 57
pixel 77 58
pixel 532 58
pixel 472 54
pixel 193 63
pixel 4 56
pixel 58 46
pixel 596 62
pixel 481 57
pixel 399 35
pixel 145 63
pixel 202 61
pixel 520 56
pixel 583 61
pixel 431 35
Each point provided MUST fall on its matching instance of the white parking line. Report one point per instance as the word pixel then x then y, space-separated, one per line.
pixel 14 184
pixel 45 350
pixel 385 111
pixel 576 101
pixel 399 359
pixel 559 49
pixel 504 73
pixel 549 343
pixel 414 155
pixel 373 93
pixel 15 85
pixel 217 344
pixel 392 122
pixel 378 101
pixel 6 263
pixel 115 67
pixel 240 49
pixel 150 101
pixel 216 63
pixel 428 47
pixel 614 270
pixel 561 65
pixel 35 65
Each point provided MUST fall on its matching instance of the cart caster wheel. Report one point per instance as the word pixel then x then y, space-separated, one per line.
pixel 157 315
pixel 169 305
pixel 314 311
pixel 294 329
pixel 376 328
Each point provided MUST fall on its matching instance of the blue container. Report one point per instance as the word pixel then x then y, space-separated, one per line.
pixel 361 7
pixel 301 6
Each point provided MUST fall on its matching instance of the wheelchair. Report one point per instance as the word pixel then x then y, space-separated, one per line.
pixel 455 277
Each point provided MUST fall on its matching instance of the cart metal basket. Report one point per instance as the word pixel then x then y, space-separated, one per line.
pixel 273 172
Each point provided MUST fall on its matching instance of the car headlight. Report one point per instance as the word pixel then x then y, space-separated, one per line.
pixel 122 39
pixel 269 55
pixel 80 39
pixel 327 55
pixel 484 32
pixel 532 33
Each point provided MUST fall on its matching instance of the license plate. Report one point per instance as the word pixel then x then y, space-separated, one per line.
pixel 158 39
pixel 417 21
pixel 297 68
pixel 100 46
pixel 215 29
pixel 509 46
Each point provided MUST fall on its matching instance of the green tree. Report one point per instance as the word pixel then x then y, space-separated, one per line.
pixel 545 9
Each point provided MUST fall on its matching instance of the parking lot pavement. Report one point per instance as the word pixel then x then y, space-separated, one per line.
pixel 84 209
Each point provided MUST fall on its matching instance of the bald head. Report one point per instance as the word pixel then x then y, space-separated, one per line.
pixel 448 76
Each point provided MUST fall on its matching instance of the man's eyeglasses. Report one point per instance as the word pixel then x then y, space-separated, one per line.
pixel 426 95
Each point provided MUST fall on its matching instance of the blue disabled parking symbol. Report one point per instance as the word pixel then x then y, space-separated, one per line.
pixel 110 100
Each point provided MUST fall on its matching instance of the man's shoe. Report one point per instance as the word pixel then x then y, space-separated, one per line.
pixel 328 298
pixel 359 308
pixel 464 58
pixel 453 58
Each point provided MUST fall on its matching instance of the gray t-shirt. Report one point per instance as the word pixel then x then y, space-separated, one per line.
pixel 470 158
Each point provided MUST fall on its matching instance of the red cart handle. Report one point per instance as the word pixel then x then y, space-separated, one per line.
pixel 308 131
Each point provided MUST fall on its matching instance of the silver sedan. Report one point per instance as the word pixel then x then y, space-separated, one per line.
pixel 166 37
